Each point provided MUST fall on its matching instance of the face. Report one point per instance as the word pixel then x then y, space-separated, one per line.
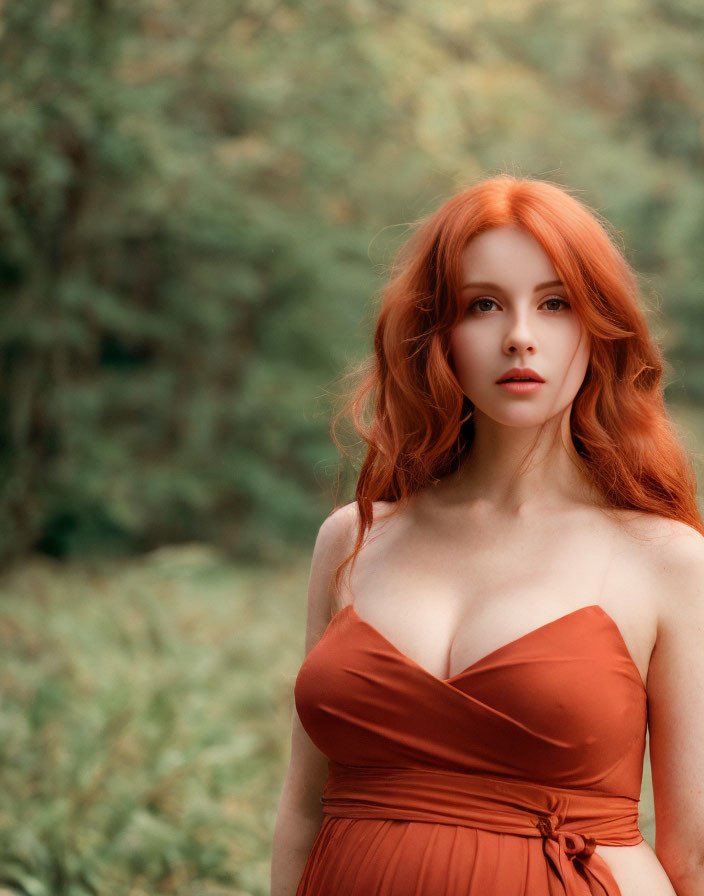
pixel 517 314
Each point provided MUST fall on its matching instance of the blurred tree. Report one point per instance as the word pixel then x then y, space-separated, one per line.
pixel 195 210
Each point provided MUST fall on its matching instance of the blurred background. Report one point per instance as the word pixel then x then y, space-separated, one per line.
pixel 199 203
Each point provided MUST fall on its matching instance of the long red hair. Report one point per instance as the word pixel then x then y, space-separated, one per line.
pixel 420 426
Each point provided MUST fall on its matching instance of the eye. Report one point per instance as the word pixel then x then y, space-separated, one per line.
pixel 475 305
pixel 557 299
pixel 478 302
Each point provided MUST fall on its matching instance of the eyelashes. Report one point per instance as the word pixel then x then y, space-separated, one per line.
pixel 476 302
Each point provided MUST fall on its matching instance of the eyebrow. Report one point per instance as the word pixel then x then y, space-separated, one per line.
pixel 486 285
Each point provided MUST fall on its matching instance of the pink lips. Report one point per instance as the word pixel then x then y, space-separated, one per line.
pixel 520 388
pixel 522 372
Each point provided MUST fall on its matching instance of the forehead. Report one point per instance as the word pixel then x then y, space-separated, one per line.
pixel 506 254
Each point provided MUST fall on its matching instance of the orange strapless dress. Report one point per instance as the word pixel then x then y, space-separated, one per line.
pixel 498 781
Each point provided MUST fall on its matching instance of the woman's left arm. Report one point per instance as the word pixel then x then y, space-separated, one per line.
pixel 675 687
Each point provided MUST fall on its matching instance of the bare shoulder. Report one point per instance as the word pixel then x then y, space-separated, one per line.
pixel 673 546
pixel 338 532
pixel 334 542
pixel 672 553
pixel 678 570
pixel 337 528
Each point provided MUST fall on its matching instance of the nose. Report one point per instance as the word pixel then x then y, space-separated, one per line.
pixel 519 337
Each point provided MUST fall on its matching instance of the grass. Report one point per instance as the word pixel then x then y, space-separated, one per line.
pixel 145 724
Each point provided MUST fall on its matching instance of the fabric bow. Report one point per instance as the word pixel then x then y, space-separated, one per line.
pixel 575 845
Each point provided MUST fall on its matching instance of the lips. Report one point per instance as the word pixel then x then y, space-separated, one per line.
pixel 522 373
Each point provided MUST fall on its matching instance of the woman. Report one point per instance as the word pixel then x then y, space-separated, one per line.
pixel 471 714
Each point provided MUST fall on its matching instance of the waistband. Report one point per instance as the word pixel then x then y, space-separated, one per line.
pixel 569 820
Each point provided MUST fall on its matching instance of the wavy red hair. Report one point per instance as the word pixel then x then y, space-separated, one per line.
pixel 420 424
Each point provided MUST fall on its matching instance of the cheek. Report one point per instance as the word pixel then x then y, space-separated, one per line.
pixel 573 362
pixel 581 352
pixel 465 352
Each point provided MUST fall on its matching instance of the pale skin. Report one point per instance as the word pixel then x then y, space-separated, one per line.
pixel 494 551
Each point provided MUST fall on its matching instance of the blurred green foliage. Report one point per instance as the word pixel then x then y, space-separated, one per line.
pixel 145 723
pixel 198 204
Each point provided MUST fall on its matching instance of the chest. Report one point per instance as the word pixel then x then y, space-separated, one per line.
pixel 448 594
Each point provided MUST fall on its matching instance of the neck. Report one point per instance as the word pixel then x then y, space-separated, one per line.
pixel 519 470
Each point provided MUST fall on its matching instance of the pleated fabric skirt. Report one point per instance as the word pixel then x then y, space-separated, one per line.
pixel 380 857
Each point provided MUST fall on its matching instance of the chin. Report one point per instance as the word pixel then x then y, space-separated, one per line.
pixel 520 418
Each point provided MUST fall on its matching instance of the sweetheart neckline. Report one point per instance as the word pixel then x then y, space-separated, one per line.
pixel 502 647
